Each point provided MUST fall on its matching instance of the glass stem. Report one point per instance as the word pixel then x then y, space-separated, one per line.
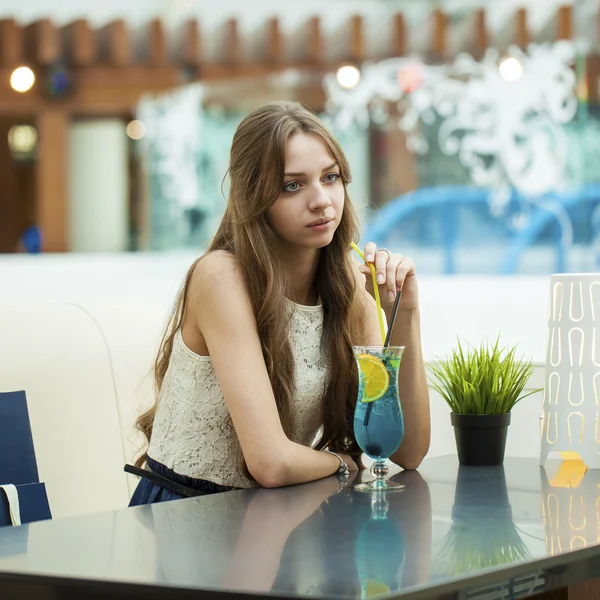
pixel 379 469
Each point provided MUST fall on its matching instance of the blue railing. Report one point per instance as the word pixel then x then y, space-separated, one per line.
pixel 390 217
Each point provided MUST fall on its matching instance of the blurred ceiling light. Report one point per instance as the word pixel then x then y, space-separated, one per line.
pixel 136 130
pixel 348 76
pixel 22 79
pixel 410 78
pixel 22 139
pixel 510 69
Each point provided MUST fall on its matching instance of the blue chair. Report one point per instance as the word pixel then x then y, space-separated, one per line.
pixel 448 198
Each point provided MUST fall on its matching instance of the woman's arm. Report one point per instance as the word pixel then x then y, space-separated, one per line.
pixel 398 273
pixel 220 308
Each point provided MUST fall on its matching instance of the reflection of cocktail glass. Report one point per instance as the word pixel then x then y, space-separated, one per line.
pixel 380 551
pixel 378 420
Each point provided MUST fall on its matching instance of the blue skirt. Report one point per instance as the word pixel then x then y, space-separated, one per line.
pixel 149 492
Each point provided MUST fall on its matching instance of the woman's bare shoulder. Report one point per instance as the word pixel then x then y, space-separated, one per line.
pixel 217 276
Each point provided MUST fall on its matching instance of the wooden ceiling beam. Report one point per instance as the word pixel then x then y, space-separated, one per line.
pixel 398 35
pixel 11 43
pixel 230 43
pixel 314 42
pixel 115 44
pixel 440 34
pixel 190 50
pixel 275 46
pixel 104 86
pixel 356 45
pixel 89 51
pixel 521 29
pixel 156 43
pixel 481 33
pixel 80 43
pixel 42 42
pixel 564 23
pixel 98 90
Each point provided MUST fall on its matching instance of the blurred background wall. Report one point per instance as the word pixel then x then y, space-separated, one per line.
pixel 471 126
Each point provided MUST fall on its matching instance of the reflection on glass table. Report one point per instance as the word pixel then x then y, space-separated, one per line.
pixel 470 531
pixel 358 545
pixel 483 533
pixel 380 550
pixel 232 531
pixel 570 506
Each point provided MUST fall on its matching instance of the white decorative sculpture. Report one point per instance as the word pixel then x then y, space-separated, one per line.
pixel 571 409
pixel 502 117
pixel 173 123
pixel 505 128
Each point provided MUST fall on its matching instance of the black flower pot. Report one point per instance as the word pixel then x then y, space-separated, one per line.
pixel 480 439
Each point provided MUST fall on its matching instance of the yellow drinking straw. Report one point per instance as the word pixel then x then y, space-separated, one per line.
pixel 375 288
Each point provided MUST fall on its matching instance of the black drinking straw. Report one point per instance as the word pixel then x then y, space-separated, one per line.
pixel 392 319
pixel 386 343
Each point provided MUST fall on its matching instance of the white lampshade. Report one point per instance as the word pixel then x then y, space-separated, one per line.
pixel 571 408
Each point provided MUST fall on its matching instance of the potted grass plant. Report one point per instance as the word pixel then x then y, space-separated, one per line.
pixel 481 386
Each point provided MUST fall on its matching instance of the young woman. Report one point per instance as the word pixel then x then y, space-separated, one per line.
pixel 255 373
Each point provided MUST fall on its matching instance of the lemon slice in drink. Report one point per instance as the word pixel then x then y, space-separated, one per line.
pixel 375 377
pixel 375 588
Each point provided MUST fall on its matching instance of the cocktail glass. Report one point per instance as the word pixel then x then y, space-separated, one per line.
pixel 378 419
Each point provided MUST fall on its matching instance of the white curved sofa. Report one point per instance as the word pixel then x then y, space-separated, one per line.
pixel 84 370
pixel 84 351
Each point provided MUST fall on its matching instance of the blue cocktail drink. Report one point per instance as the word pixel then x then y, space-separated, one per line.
pixel 378 420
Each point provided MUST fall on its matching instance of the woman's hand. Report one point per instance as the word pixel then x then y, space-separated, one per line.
pixel 394 273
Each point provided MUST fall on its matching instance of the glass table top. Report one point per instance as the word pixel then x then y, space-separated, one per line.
pixel 452 527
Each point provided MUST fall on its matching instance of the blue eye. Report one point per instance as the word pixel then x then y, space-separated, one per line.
pixel 292 186
pixel 331 177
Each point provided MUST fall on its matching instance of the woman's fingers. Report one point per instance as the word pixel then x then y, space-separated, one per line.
pixel 391 269
pixel 391 277
pixel 369 252
pixel 404 268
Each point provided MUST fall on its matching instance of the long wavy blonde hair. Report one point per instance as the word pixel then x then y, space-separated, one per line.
pixel 256 171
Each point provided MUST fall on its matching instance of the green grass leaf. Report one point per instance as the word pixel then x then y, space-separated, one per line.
pixel 483 381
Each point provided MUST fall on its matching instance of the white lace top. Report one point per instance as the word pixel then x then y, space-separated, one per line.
pixel 193 433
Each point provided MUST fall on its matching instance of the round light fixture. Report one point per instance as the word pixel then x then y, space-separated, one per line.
pixel 510 69
pixel 348 76
pixel 135 130
pixel 22 139
pixel 22 79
